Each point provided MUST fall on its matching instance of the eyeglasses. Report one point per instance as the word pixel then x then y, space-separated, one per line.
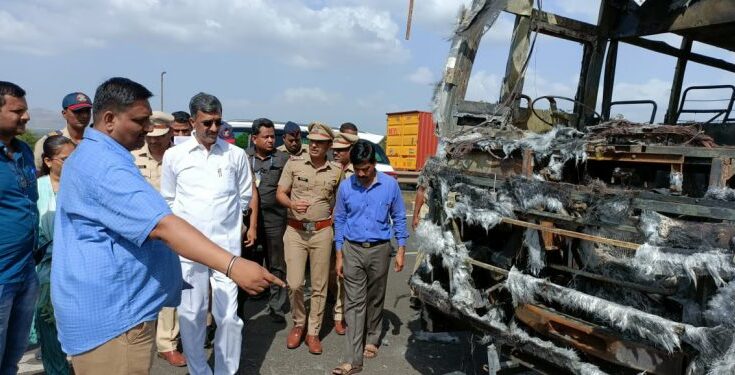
pixel 208 123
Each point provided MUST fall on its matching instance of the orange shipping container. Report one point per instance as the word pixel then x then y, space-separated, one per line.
pixel 414 130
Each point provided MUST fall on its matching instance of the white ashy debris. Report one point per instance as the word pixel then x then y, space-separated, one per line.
pixel 650 260
pixel 676 181
pixel 721 307
pixel 723 194
pixel 536 255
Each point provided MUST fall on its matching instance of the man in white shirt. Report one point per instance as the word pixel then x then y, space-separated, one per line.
pixel 207 182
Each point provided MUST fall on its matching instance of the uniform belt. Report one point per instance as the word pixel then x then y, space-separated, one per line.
pixel 367 245
pixel 310 226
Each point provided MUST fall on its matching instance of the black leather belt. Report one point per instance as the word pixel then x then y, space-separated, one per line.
pixel 367 245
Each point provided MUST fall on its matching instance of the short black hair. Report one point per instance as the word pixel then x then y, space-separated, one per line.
pixel 181 117
pixel 348 126
pixel 362 151
pixel 116 94
pixel 261 123
pixel 205 103
pixel 9 88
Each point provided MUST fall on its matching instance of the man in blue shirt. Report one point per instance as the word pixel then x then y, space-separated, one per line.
pixel 367 204
pixel 18 224
pixel 113 268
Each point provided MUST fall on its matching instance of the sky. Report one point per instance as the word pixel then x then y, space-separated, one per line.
pixel 300 60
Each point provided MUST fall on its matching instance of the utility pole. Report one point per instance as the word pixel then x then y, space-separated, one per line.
pixel 162 73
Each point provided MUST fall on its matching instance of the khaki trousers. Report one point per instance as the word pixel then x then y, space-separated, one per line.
pixel 317 248
pixel 127 354
pixel 336 285
pixel 167 330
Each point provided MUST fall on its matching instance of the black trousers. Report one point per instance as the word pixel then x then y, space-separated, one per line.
pixel 268 252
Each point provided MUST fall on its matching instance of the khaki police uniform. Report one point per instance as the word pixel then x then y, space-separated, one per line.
pixel 284 149
pixel 38 147
pixel 309 235
pixel 167 329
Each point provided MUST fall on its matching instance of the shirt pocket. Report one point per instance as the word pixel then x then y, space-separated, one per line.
pixel 381 211
pixel 226 181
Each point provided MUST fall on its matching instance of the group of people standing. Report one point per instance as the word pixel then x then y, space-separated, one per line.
pixel 130 249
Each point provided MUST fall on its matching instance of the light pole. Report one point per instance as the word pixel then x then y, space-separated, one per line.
pixel 162 73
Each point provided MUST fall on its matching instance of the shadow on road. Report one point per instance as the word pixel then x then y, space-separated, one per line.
pixel 258 334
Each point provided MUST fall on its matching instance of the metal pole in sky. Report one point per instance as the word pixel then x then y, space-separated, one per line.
pixel 162 73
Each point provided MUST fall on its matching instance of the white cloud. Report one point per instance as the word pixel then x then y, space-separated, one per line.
pixel 303 95
pixel 653 89
pixel 484 87
pixel 282 28
pixel 422 76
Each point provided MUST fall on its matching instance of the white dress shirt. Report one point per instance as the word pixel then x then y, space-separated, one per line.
pixel 208 189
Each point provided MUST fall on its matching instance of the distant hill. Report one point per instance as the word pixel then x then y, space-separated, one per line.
pixel 44 120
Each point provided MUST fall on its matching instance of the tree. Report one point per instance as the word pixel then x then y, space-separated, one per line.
pixel 29 138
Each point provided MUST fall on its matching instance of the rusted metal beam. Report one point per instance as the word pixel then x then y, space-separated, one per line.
pixel 408 19
pixel 611 63
pixel 599 342
pixel 666 49
pixel 720 172
pixel 520 48
pixel 489 267
pixel 657 18
pixel 554 24
pixel 672 111
pixel 633 157
pixel 626 284
pixel 573 234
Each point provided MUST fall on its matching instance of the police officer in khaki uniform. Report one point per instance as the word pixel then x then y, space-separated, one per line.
pixel 292 140
pixel 77 111
pixel 307 188
pixel 341 147
pixel 148 159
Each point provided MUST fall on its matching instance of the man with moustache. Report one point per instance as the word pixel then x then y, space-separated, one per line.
pixel 267 165
pixel 208 182
pixel 368 204
pixel 77 111
pixel 18 224
pixel 292 140
pixel 113 265
pixel 181 127
pixel 341 150
pixel 148 160
pixel 307 188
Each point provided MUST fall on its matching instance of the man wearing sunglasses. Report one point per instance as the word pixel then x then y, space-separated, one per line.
pixel 207 181
pixel 77 111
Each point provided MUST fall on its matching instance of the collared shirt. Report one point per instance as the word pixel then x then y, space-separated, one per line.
pixel 209 189
pixel 149 167
pixel 269 171
pixel 19 218
pixel 283 148
pixel 348 170
pixel 317 186
pixel 38 147
pixel 107 276
pixel 365 214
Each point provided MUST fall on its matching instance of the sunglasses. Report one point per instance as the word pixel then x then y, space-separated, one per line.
pixel 208 123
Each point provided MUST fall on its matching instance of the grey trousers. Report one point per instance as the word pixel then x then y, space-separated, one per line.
pixel 365 277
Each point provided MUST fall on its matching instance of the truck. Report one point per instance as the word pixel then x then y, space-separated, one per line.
pixel 410 140
pixel 592 244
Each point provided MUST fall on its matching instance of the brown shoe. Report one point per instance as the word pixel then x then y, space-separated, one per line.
pixel 315 346
pixel 294 337
pixel 340 327
pixel 174 358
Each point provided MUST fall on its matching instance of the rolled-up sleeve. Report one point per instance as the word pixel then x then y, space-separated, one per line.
pixel 128 204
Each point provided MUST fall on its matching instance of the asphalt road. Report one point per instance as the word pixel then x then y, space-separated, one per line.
pixel 405 349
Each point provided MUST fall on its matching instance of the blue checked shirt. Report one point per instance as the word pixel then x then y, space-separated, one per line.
pixel 365 214
pixel 106 275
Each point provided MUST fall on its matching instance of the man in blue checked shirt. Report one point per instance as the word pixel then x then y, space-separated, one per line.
pixel 113 268
pixel 367 204
pixel 18 224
